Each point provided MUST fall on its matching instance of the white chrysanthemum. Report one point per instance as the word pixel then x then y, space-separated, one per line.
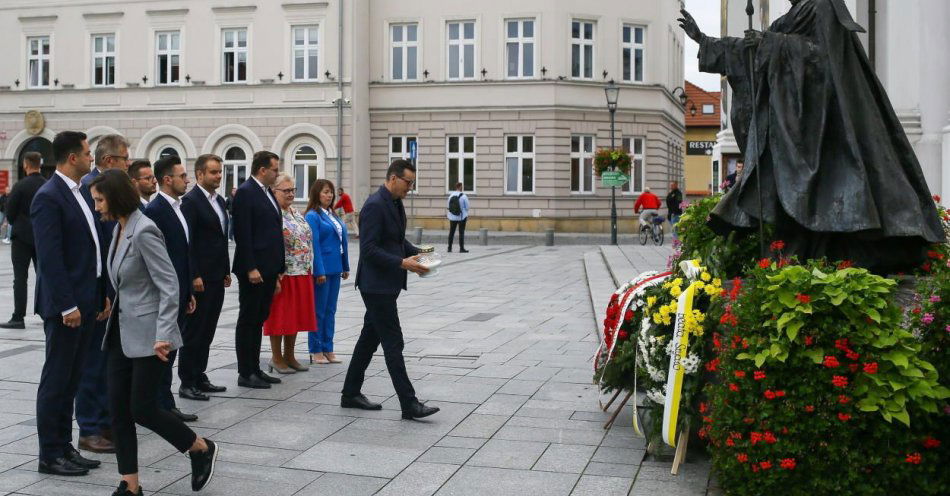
pixel 691 363
pixel 656 396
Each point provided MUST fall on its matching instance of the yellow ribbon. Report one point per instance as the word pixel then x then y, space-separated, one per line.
pixel 674 377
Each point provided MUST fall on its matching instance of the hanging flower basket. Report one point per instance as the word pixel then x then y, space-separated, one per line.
pixel 612 159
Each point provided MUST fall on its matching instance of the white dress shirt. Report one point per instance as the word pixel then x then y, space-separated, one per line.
pixel 176 206
pixel 212 199
pixel 336 225
pixel 90 220
pixel 267 194
pixel 144 201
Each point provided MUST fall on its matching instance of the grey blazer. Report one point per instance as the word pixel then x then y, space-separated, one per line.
pixel 146 288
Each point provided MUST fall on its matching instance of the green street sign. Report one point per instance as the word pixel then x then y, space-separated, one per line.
pixel 613 178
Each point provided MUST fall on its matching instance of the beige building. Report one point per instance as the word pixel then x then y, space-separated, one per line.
pixel 505 97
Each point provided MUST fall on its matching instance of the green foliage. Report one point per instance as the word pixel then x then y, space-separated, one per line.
pixel 724 256
pixel 612 159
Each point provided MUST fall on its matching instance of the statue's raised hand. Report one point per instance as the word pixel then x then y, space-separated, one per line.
pixel 690 27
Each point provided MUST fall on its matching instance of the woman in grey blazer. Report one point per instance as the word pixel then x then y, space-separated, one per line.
pixel 141 331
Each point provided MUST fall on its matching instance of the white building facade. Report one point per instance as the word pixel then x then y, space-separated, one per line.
pixel 504 97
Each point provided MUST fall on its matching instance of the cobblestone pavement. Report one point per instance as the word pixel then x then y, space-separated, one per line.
pixel 500 339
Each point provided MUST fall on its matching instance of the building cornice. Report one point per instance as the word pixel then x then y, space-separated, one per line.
pixel 166 12
pixel 102 16
pixel 237 9
pixel 297 6
pixel 38 19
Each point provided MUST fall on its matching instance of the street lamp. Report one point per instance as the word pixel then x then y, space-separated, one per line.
pixel 613 93
pixel 682 95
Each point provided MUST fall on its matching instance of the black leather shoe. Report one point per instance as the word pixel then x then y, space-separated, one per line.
pixel 360 402
pixel 123 490
pixel 184 417
pixel 13 324
pixel 202 465
pixel 192 393
pixel 61 466
pixel 266 378
pixel 418 410
pixel 463 250
pixel 207 387
pixel 74 457
pixel 253 382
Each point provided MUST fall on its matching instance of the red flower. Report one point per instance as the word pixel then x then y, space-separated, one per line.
pixel 765 465
pixel 845 264
pixel 852 355
pixel 925 267
pixel 703 407
pixel 937 198
pixel 913 458
pixel 844 417
pixel 707 420
pixel 934 255
pixel 809 408
pixel 712 364
pixel 628 315
pixel 730 442
pixel 842 344
pixel 844 400
pixel 839 381
pixel 769 394
pixel 831 362
pixel 755 467
pixel 788 463
pixel 745 343
pixel 916 311
pixel 853 367
pixel 931 443
pixel 748 420
pixel 770 438
pixel 717 343
pixel 764 263
pixel 742 457
pixel 735 435
pixel 804 298
pixel 870 368
pixel 733 387
pixel 739 374
pixel 809 340
pixel 777 245
pixel 623 335
pixel 758 375
pixel 780 393
pixel 755 437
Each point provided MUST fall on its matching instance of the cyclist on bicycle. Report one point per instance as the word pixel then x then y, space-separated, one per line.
pixel 650 204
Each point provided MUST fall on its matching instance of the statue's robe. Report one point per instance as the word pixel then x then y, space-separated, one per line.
pixel 839 177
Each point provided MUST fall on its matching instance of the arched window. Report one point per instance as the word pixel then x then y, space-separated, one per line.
pixel 235 169
pixel 167 152
pixel 305 165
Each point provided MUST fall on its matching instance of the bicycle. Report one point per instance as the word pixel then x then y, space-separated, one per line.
pixel 653 230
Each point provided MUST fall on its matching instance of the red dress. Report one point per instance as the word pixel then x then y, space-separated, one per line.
pixel 292 310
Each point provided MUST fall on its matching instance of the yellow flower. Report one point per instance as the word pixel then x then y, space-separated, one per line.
pixel 712 290
pixel 666 320
pixel 675 291
pixel 651 300
pixel 678 281
pixel 657 318
pixel 700 284
pixel 717 282
pixel 705 276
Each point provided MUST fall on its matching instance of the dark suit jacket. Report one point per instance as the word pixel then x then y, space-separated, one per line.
pixel 18 207
pixel 65 253
pixel 209 245
pixel 383 245
pixel 258 232
pixel 163 215
pixel 107 226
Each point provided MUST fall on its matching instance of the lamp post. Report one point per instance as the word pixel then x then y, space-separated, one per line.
pixel 613 93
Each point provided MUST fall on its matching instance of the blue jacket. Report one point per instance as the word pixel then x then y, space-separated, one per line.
pixel 209 244
pixel 383 245
pixel 163 215
pixel 258 231
pixel 327 259
pixel 65 252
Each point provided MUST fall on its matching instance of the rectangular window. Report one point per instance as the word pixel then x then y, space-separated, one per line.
pixel 168 57
pixel 461 52
pixel 633 50
pixel 582 164
pixel 399 148
pixel 306 53
pixel 234 55
pixel 405 51
pixel 103 60
pixel 634 148
pixel 519 164
pixel 716 177
pixel 709 109
pixel 582 49
pixel 519 48
pixel 460 162
pixel 38 54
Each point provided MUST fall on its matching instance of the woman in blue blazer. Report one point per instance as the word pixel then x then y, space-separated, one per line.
pixel 330 265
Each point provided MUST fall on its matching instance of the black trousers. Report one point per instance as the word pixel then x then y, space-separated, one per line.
pixel 65 356
pixel 20 255
pixel 133 384
pixel 380 326
pixel 461 227
pixel 199 333
pixel 166 400
pixel 254 301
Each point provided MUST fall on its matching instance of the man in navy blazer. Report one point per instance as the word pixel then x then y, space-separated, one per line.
pixel 70 297
pixel 385 256
pixel 258 261
pixel 205 212
pixel 165 211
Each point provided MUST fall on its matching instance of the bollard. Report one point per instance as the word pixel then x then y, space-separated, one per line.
pixel 549 237
pixel 483 236
pixel 418 240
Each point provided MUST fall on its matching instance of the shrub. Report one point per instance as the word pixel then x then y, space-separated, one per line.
pixel 724 256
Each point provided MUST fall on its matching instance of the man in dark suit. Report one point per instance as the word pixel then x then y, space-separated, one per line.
pixel 22 250
pixel 258 261
pixel 144 181
pixel 92 399
pixel 385 256
pixel 165 211
pixel 70 297
pixel 205 212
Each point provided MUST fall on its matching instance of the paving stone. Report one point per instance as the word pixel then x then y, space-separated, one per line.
pixel 565 458
pixel 282 433
pixel 508 454
pixel 479 426
pixel 611 469
pixel 445 454
pixel 343 485
pixel 420 479
pixel 596 485
pixel 461 442
pixel 626 456
pixel 355 459
pixel 486 481
pixel 501 404
pixel 17 479
pixel 561 436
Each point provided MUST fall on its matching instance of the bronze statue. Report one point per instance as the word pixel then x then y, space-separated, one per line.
pixel 827 161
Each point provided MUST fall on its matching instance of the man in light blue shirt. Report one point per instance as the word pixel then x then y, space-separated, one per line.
pixel 457 215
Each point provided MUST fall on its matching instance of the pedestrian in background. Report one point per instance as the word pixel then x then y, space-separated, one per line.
pixel 458 216
pixel 650 206
pixel 292 310
pixel 331 264
pixel 22 251
pixel 3 220
pixel 349 215
pixel 229 204
pixel 674 202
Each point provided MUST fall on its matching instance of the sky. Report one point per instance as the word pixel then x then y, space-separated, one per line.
pixel 706 13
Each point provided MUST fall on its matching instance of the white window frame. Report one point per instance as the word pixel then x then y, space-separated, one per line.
pixel 105 55
pixel 582 43
pixel 232 165
pixel 403 46
pixel 628 143
pixel 39 58
pixel 461 155
pixel 306 164
pixel 716 175
pixel 633 47
pixel 236 50
pixel 711 107
pixel 520 156
pixel 461 42
pixel 404 153
pixel 169 53
pixel 521 41
pixel 309 46
pixel 581 155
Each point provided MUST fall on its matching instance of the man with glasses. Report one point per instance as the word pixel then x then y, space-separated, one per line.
pixel 144 181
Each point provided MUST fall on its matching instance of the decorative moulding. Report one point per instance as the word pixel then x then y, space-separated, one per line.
pixel 38 19
pixel 305 5
pixel 102 16
pixel 166 12
pixel 238 9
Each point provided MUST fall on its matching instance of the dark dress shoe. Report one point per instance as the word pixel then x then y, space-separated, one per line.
pixel 184 417
pixel 418 410
pixel 207 387
pixel 96 444
pixel 253 382
pixel 191 393
pixel 202 465
pixel 13 324
pixel 463 250
pixel 360 402
pixel 266 378
pixel 61 466
pixel 73 455
pixel 123 490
